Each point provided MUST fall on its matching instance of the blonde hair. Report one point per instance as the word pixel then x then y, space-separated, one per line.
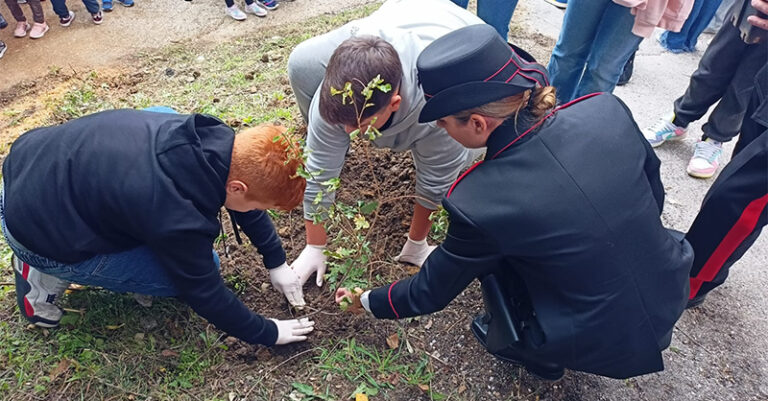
pixel 544 100
pixel 266 159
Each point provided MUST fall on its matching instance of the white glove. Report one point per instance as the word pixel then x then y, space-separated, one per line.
pixel 287 282
pixel 309 261
pixel 415 252
pixel 291 331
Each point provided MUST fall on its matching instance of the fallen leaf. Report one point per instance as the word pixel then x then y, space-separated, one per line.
pixel 361 397
pixel 461 389
pixel 114 327
pixel 393 341
pixel 424 387
pixel 59 369
pixel 232 396
pixel 168 353
pixel 429 324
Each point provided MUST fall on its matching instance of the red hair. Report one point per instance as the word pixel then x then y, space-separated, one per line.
pixel 265 159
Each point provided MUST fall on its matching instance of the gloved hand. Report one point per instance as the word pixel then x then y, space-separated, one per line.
pixel 287 282
pixel 415 252
pixel 291 331
pixel 309 261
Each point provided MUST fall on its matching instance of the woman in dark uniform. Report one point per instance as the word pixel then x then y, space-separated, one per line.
pixel 560 221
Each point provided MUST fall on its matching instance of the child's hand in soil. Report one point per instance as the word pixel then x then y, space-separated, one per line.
pixel 349 300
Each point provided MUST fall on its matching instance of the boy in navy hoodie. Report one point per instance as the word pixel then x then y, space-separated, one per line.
pixel 130 201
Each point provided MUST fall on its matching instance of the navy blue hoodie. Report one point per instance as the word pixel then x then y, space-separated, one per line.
pixel 116 180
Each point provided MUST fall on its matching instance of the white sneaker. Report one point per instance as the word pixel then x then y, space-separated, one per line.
pixel 664 130
pixel 706 158
pixel 36 294
pixel 255 9
pixel 236 13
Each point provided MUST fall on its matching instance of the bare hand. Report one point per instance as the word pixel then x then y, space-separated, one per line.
pixel 350 300
pixel 762 6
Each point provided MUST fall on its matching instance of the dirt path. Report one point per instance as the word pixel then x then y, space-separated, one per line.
pixel 150 24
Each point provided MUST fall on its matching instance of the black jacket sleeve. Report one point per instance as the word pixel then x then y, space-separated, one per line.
pixel 188 258
pixel 652 163
pixel 465 254
pixel 257 225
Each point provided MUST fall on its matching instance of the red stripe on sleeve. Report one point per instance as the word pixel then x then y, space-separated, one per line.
pixel 391 305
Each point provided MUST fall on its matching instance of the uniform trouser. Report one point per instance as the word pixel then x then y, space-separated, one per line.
pixel 734 210
pixel 726 72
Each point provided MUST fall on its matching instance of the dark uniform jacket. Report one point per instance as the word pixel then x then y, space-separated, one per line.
pixel 573 209
pixel 116 180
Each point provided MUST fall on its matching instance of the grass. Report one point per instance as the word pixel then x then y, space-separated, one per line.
pixel 111 348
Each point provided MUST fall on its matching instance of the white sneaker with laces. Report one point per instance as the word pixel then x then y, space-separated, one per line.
pixel 36 294
pixel 706 158
pixel 664 130
pixel 236 13
pixel 255 9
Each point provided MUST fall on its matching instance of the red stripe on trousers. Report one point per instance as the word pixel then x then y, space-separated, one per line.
pixel 736 235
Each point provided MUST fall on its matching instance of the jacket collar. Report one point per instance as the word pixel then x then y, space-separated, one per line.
pixel 507 133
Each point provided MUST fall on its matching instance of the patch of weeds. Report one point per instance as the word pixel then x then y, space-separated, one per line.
pixel 236 283
pixel 439 228
pixel 370 370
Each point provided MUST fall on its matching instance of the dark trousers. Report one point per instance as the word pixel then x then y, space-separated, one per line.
pixel 735 209
pixel 60 7
pixel 18 14
pixel 726 72
pixel 231 3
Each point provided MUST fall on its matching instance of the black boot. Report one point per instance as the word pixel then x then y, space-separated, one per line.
pixel 626 74
pixel 696 301
pixel 542 370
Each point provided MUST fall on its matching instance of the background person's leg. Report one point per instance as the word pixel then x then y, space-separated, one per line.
pixel 724 122
pixel 613 46
pixel 569 57
pixel 497 13
pixel 711 79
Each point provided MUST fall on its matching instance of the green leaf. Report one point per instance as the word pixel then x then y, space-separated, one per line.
pixel 369 207
pixel 305 389
pixel 354 134
pixel 361 222
pixel 318 198
pixel 384 88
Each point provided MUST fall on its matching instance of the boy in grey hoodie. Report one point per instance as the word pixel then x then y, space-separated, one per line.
pixel 386 43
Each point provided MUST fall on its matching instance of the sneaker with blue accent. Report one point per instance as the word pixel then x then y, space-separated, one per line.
pixel 269 4
pixel 561 4
pixel 106 6
pixel 706 158
pixel 236 13
pixel 36 294
pixel 126 3
pixel 664 130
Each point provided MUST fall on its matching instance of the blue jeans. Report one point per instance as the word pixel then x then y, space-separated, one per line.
pixel 496 13
pixel 60 7
pixel 685 40
pixel 136 270
pixel 594 44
